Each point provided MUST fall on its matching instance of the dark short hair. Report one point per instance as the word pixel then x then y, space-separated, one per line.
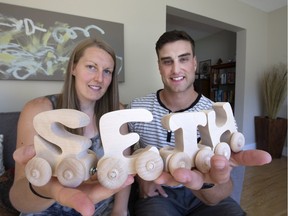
pixel 172 36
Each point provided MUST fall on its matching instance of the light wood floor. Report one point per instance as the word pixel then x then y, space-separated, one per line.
pixel 265 189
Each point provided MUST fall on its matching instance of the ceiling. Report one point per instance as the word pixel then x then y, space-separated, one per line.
pixel 199 29
pixel 266 5
pixel 196 30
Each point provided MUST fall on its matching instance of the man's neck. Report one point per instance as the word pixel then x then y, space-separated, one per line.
pixel 178 100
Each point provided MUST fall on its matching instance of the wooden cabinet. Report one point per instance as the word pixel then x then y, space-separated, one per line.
pixel 222 82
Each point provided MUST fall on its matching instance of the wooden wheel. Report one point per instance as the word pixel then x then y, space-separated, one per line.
pixel 149 165
pixel 38 171
pixel 237 141
pixel 179 160
pixel 202 160
pixel 223 149
pixel 70 172
pixel 112 172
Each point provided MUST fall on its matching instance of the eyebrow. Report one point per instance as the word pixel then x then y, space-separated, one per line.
pixel 182 55
pixel 96 64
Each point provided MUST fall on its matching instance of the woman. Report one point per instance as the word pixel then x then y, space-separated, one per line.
pixel 90 86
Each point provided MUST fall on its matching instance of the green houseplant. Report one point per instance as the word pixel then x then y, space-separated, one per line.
pixel 270 130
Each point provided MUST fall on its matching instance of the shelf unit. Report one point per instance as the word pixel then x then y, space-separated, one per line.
pixel 202 86
pixel 222 82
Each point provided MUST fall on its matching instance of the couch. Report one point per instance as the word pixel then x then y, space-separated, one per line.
pixel 8 127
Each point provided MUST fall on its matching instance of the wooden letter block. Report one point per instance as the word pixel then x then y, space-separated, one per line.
pixel 113 168
pixel 185 127
pixel 67 156
pixel 221 133
pixel 218 133
pixel 59 152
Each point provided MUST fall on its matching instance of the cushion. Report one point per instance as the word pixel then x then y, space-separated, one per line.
pixel 2 168
pixel 6 181
pixel 8 127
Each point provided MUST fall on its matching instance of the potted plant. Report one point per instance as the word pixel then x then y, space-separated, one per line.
pixel 271 130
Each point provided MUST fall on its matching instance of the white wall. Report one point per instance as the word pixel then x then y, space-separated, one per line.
pixel 144 22
pixel 277 43
pixel 277 46
pixel 219 45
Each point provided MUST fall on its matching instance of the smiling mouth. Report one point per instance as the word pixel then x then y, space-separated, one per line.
pixel 177 78
pixel 94 87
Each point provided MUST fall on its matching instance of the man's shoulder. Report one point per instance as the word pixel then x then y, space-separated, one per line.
pixel 204 103
pixel 205 99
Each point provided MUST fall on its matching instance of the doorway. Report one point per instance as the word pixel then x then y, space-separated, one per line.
pixel 201 28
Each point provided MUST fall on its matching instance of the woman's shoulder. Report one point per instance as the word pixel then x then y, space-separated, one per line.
pixel 31 109
pixel 37 105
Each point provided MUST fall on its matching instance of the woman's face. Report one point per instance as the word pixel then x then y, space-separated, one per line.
pixel 93 74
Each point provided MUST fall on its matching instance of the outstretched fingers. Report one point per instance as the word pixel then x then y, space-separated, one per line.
pixel 192 179
pixel 220 170
pixel 24 154
pixel 166 179
pixel 98 192
pixel 250 158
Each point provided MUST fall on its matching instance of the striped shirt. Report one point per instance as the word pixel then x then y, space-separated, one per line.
pixel 152 133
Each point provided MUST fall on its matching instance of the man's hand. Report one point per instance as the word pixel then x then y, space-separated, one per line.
pixel 219 172
pixel 150 189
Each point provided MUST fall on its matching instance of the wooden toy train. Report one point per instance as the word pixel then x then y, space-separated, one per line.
pixel 67 156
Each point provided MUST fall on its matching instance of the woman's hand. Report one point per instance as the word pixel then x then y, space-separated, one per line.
pixel 82 198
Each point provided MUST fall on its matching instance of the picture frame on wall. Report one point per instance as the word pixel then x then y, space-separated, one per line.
pixel 36 44
pixel 204 69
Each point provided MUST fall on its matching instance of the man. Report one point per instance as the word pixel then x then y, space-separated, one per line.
pixel 188 196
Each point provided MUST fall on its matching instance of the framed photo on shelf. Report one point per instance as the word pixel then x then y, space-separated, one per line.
pixel 204 68
pixel 231 77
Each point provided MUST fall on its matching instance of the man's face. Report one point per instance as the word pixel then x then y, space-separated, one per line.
pixel 177 66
